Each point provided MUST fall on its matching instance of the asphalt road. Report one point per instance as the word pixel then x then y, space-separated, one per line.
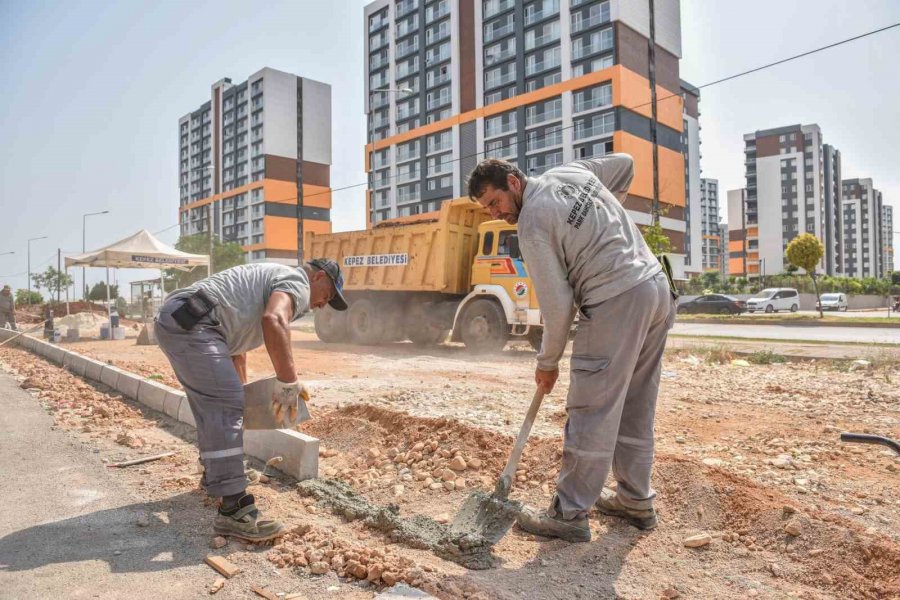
pixel 68 529
pixel 871 335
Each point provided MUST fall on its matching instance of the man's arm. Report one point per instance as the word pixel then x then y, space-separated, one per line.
pixel 556 298
pixel 615 172
pixel 277 335
pixel 240 365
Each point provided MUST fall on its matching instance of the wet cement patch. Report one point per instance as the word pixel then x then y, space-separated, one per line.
pixel 470 550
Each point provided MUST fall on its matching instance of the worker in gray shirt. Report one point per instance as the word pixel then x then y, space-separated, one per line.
pixel 584 253
pixel 7 308
pixel 205 331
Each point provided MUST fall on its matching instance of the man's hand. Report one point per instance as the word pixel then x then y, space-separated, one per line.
pixel 545 380
pixel 284 399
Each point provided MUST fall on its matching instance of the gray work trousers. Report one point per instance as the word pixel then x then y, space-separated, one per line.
pixel 8 317
pixel 203 365
pixel 615 370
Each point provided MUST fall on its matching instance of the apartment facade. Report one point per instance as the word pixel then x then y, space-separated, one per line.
pixel 834 212
pixel 723 249
pixel 538 83
pixel 740 249
pixel 693 210
pixel 887 240
pixel 785 196
pixel 710 229
pixel 248 153
pixel 862 208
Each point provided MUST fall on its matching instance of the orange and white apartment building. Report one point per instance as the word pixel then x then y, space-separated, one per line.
pixel 248 153
pixel 535 82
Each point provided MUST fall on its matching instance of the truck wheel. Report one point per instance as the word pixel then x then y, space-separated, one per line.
pixel 331 325
pixel 423 328
pixel 484 328
pixel 366 325
pixel 535 335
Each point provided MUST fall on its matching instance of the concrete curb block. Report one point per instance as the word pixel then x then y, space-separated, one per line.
pixel 172 403
pixel 300 451
pixel 109 376
pixel 128 384
pixel 152 394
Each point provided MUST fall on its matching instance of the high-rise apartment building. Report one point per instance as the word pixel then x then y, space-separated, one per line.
pixel 537 82
pixel 248 153
pixel 887 240
pixel 785 196
pixel 862 208
pixel 834 212
pixel 709 224
pixel 743 240
pixel 723 249
pixel 693 211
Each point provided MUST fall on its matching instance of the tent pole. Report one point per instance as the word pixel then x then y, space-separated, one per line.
pixel 108 306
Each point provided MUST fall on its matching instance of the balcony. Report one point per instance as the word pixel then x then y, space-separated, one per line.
pixel 532 119
pixel 406 48
pixel 408 26
pixel 498 80
pixel 436 11
pixel 583 131
pixel 404 8
pixel 594 102
pixel 495 7
pixel 492 58
pixel 497 32
pixel 376 62
pixel 534 17
pixel 376 24
pixel 583 50
pixel 547 140
pixel 408 155
pixel 408 176
pixel 433 81
pixel 491 130
pixel 538 67
pixel 580 24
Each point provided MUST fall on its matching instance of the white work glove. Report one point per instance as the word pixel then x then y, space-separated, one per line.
pixel 285 400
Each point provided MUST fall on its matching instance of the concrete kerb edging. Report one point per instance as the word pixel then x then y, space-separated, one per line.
pixel 300 451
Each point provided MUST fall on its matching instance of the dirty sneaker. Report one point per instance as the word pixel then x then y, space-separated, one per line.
pixel 549 523
pixel 609 504
pixel 243 521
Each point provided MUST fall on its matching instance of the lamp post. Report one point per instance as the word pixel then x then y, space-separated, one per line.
pixel 84 247
pixel 43 237
pixel 209 217
pixel 372 134
pixel 5 253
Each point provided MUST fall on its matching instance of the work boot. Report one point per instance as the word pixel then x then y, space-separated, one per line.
pixel 609 504
pixel 242 520
pixel 550 523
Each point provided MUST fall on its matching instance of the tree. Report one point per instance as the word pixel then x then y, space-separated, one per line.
pixel 22 297
pixel 805 251
pixel 656 238
pixel 52 280
pixel 225 256
pixel 98 292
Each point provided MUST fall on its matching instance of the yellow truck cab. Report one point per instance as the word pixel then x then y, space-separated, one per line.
pixel 455 272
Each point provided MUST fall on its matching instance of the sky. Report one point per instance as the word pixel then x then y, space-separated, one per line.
pixel 94 91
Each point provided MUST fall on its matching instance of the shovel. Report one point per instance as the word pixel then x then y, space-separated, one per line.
pixel 490 517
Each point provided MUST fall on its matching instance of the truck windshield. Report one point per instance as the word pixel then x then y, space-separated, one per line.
pixel 504 244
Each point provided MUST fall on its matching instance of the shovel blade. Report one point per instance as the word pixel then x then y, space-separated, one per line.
pixel 486 516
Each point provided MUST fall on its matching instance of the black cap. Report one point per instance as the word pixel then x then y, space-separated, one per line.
pixel 333 271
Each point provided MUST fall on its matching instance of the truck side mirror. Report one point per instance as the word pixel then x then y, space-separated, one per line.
pixel 514 247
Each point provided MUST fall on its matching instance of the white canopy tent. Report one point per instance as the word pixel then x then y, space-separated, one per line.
pixel 139 251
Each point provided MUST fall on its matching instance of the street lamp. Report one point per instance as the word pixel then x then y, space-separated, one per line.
pixel 404 90
pixel 5 253
pixel 209 217
pixel 84 248
pixel 44 237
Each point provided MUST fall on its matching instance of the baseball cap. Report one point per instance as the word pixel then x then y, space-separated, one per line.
pixel 333 271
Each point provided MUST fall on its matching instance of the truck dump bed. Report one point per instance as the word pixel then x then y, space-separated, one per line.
pixel 425 256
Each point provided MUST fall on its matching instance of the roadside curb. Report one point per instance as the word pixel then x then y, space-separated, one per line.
pixel 300 451
pixel 888 324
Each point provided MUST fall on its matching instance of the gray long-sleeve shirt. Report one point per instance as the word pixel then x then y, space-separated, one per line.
pixel 7 303
pixel 579 244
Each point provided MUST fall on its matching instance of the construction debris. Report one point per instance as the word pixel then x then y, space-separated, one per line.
pixel 139 461
pixel 217 585
pixel 222 566
pixel 264 593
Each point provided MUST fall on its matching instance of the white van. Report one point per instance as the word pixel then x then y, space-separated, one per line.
pixel 775 299
pixel 833 301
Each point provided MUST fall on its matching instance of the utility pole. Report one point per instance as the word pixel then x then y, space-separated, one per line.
pixel 653 117
pixel 58 276
pixel 300 172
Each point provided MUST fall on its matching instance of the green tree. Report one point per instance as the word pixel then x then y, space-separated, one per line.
pixel 52 280
pixel 225 256
pixel 98 292
pixel 22 297
pixel 657 239
pixel 805 251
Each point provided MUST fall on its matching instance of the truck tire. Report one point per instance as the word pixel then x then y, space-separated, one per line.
pixel 423 328
pixel 365 324
pixel 331 325
pixel 535 336
pixel 484 328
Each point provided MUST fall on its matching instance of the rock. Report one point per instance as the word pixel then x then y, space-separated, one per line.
pixel 680 439
pixel 670 593
pixel 143 521
pixel 450 485
pixel 398 490
pixel 443 518
pixel 460 483
pixel 698 541
pixel 389 578
pixel 448 475
pixel 375 571
pixel 457 463
pixel 418 447
pixel 712 462
pixel 859 364
pixel 373 452
pixel 740 362
pixel 318 568
pixel 788 510
pixel 793 528
pixel 217 585
pixel 474 463
pixel 776 570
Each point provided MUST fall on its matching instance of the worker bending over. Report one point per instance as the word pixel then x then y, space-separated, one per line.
pixel 583 251
pixel 205 331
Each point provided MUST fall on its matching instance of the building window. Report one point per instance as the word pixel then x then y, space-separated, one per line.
pixel 598 96
pixel 543 34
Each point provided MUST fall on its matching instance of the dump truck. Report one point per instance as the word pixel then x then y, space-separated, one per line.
pixel 459 274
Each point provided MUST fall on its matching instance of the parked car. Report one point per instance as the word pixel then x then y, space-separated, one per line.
pixel 835 301
pixel 717 304
pixel 775 299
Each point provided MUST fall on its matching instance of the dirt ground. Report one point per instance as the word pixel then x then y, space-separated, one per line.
pixel 748 454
